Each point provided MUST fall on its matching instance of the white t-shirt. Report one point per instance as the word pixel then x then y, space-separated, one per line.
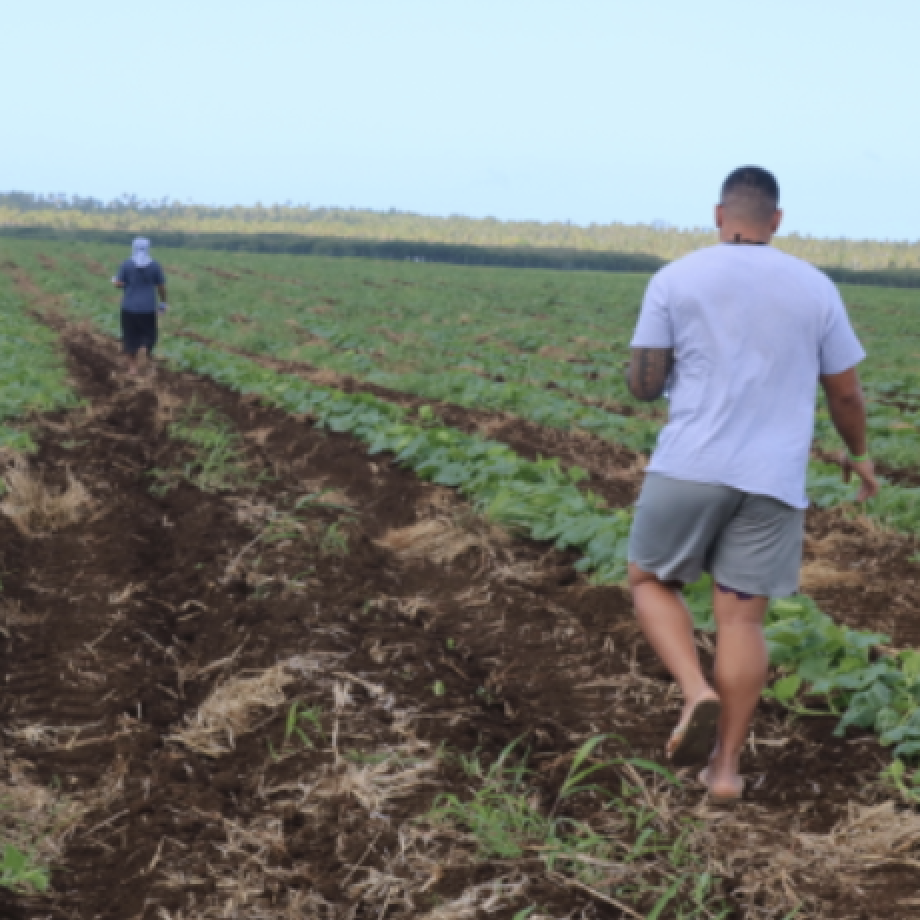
pixel 752 329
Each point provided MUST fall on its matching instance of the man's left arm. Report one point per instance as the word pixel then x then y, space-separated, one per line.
pixel 649 370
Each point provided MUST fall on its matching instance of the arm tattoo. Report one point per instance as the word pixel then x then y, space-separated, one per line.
pixel 649 370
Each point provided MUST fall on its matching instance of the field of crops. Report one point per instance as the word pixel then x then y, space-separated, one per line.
pixel 327 618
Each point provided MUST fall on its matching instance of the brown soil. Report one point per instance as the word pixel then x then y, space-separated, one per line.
pixel 877 585
pixel 222 273
pixel 92 265
pixel 607 405
pixel 178 272
pixel 895 475
pixel 124 625
pixel 31 292
pixel 899 477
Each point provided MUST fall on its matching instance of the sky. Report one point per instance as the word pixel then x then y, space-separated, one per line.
pixel 591 111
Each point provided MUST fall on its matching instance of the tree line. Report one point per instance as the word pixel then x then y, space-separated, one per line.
pixel 584 246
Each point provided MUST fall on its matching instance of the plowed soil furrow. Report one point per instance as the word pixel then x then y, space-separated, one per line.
pixel 121 626
pixel 609 465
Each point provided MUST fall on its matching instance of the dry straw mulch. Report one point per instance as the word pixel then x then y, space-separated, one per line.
pixel 441 540
pixel 37 508
pixel 232 709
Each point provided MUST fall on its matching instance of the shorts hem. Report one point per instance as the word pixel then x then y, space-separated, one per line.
pixel 665 573
pixel 738 584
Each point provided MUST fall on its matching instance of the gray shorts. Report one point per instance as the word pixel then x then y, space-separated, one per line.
pixel 749 543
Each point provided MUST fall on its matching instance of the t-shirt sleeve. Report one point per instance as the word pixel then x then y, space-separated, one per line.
pixel 654 329
pixel 840 348
pixel 158 276
pixel 121 275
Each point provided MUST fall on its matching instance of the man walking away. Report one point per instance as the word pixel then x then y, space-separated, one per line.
pixel 739 334
pixel 142 279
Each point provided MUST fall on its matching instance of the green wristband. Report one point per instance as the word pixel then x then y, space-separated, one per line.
pixel 861 459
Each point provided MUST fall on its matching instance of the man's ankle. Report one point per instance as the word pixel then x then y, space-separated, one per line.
pixel 725 765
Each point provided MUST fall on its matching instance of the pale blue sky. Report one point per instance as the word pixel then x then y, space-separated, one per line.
pixel 585 110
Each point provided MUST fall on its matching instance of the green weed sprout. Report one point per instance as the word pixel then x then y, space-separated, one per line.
pixel 18 871
pixel 505 819
pixel 898 776
pixel 334 541
pixel 217 463
pixel 298 715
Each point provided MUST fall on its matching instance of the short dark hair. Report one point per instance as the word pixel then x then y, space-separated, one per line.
pixel 752 192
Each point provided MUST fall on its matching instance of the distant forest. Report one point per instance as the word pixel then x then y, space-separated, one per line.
pixel 170 218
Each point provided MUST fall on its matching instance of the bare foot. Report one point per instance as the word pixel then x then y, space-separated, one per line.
pixel 723 786
pixel 692 740
pixel 707 694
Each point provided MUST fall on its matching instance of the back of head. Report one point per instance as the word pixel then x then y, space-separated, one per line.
pixel 750 195
pixel 140 252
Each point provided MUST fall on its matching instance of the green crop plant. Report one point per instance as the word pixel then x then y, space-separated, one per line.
pixel 16 440
pixel 904 780
pixel 846 672
pixel 33 377
pixel 896 507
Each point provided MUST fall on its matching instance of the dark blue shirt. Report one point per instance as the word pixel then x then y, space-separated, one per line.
pixel 140 286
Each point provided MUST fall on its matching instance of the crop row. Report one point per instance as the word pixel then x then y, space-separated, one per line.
pixel 33 377
pixel 897 507
pixel 522 313
pixel 518 346
pixel 894 426
pixel 540 498
pixel 537 385
pixel 894 430
pixel 595 379
pixel 590 371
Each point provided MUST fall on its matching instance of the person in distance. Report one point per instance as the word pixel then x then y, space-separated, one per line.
pixel 142 279
pixel 738 335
